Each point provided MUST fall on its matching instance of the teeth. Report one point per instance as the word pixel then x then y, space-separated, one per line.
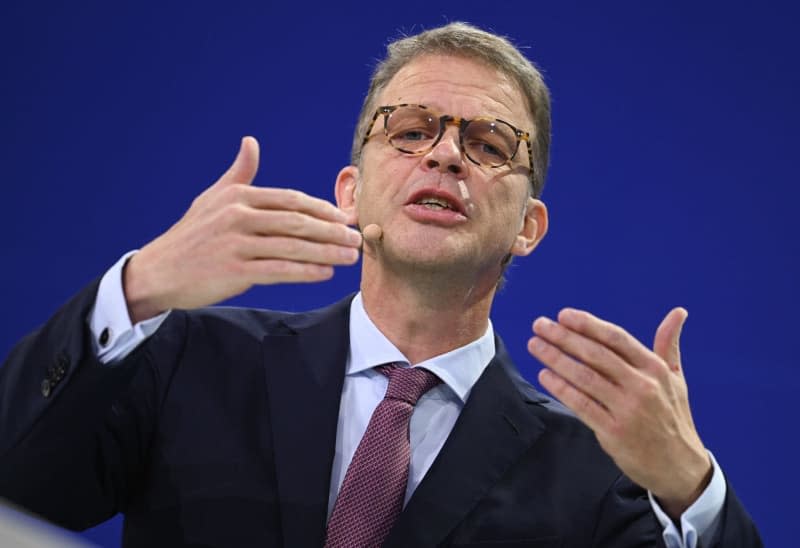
pixel 434 203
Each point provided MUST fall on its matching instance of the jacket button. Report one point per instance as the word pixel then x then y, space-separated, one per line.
pixel 62 361
pixel 56 373
pixel 46 387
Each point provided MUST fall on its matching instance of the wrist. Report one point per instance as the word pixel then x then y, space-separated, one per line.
pixel 698 476
pixel 139 294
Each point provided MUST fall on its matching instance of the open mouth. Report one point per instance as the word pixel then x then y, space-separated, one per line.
pixel 435 204
pixel 437 200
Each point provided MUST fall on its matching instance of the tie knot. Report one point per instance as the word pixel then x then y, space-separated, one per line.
pixel 408 384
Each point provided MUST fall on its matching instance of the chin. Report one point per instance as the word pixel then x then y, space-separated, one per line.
pixel 428 255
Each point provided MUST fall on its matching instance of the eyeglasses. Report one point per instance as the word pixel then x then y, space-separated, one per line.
pixel 415 130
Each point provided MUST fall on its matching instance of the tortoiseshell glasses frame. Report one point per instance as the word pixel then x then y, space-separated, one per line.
pixel 489 151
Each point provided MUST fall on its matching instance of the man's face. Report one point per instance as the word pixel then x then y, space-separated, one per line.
pixel 487 208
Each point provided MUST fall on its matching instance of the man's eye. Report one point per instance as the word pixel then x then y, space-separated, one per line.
pixel 413 135
pixel 491 150
pixel 487 150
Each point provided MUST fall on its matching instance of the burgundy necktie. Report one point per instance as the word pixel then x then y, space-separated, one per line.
pixel 374 486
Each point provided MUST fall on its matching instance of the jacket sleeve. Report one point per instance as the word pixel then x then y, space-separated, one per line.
pixel 74 433
pixel 737 529
pixel 626 519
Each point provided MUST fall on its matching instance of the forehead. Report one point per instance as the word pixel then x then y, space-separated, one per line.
pixel 458 86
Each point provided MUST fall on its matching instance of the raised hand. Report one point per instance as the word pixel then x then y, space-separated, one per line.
pixel 234 236
pixel 635 400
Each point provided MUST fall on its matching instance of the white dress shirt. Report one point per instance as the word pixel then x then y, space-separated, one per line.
pixel 114 337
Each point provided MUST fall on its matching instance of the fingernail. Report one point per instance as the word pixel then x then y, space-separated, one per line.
pixel 354 237
pixel 349 254
pixel 543 323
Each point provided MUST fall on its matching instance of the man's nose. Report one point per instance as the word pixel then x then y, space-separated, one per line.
pixel 446 156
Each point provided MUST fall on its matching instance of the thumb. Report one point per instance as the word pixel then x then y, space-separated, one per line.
pixel 244 167
pixel 668 337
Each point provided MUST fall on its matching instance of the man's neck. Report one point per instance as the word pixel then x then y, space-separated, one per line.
pixel 426 320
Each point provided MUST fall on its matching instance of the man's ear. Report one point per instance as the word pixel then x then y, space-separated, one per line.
pixel 533 229
pixel 347 192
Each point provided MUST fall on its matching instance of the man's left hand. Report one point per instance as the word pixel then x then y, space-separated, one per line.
pixel 634 399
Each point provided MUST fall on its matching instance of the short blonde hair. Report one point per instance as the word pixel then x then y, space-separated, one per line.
pixel 468 41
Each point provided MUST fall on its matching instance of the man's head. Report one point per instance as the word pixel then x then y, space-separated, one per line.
pixel 443 167
pixel 464 40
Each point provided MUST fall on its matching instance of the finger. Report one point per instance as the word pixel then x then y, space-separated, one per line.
pixel 611 336
pixel 270 271
pixel 584 378
pixel 299 225
pixel 293 200
pixel 245 165
pixel 668 337
pixel 297 250
pixel 590 352
pixel 588 410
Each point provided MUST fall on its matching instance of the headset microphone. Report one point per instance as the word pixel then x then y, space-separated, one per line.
pixel 372 233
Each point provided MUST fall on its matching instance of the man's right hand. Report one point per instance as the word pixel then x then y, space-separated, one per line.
pixel 234 236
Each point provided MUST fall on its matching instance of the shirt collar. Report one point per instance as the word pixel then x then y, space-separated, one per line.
pixel 459 369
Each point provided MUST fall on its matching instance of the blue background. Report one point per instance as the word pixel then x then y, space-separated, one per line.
pixel 673 178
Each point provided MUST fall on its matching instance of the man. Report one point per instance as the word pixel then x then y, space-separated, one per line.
pixel 222 427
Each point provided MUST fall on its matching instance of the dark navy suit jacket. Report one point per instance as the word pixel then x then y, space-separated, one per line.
pixel 219 431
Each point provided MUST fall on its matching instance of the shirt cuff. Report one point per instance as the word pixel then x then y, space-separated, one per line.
pixel 113 335
pixel 700 521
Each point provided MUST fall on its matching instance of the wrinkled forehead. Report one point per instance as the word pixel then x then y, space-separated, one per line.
pixel 458 86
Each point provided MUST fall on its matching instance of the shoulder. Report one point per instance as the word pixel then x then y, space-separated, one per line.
pixel 252 322
pixel 559 419
pixel 561 427
pixel 527 391
pixel 234 330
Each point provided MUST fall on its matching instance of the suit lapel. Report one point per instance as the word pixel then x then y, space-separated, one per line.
pixel 495 427
pixel 305 365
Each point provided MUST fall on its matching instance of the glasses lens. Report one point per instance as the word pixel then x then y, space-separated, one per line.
pixel 412 129
pixel 490 142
